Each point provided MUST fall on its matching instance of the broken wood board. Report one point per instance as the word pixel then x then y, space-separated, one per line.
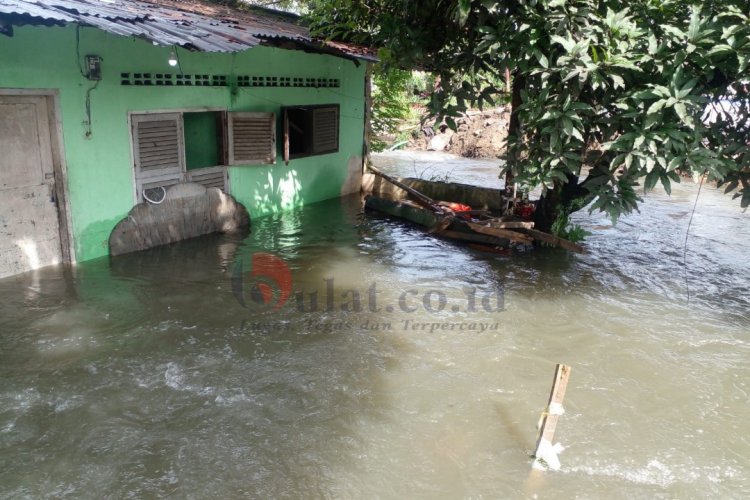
pixel 554 240
pixel 500 233
pixel 511 224
pixel 545 454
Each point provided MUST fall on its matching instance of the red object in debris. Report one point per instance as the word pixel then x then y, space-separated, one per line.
pixel 525 211
pixel 459 207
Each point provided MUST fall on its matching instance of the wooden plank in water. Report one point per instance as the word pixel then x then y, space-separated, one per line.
pixel 554 406
pixel 473 238
pixel 500 233
pixel 554 240
pixel 512 224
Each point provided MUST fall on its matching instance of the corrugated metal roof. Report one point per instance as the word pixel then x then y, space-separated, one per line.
pixel 188 23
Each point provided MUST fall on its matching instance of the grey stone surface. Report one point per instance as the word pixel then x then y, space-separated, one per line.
pixel 187 212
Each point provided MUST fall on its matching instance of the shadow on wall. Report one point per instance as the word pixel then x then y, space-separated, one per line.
pixel 283 188
pixel 275 194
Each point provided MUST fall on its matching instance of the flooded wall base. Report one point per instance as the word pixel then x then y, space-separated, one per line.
pixel 188 210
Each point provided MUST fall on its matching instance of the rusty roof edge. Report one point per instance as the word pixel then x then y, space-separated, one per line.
pixel 310 46
pixel 193 25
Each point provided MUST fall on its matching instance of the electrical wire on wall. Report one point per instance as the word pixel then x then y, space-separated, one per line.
pixel 87 125
pixel 174 59
pixel 233 83
pixel 78 50
pixel 87 122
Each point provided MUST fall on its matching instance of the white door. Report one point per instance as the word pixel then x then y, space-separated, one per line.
pixel 29 226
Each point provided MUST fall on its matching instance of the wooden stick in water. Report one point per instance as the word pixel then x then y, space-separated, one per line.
pixel 550 417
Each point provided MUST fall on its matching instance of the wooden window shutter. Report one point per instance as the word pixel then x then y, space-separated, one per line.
pixel 286 136
pixel 158 149
pixel 325 130
pixel 209 177
pixel 251 138
pixel 158 142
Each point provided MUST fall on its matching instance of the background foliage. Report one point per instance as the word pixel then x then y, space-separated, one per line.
pixel 607 96
pixel 393 94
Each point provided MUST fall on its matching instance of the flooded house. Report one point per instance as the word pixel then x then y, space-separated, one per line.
pixel 106 105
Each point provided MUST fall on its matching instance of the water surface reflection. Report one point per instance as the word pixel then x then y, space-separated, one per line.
pixel 143 376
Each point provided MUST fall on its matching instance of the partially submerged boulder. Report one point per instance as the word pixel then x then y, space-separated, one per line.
pixel 188 210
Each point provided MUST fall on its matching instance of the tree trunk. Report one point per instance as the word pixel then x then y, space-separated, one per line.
pixel 514 124
pixel 558 200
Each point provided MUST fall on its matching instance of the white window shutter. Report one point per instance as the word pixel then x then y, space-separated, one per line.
pixel 325 130
pixel 251 138
pixel 158 150
pixel 210 177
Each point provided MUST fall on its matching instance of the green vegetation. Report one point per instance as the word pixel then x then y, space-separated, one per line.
pixel 603 96
pixel 563 228
pixel 392 99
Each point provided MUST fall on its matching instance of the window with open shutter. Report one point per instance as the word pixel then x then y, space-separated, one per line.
pixel 310 130
pixel 325 130
pixel 158 150
pixel 251 138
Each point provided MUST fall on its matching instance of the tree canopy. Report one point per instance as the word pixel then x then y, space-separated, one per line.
pixel 605 96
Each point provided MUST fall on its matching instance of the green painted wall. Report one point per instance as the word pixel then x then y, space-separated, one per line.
pixel 99 166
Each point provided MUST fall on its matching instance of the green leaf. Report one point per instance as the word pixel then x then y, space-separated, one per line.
pixel 628 160
pixel 645 94
pixel 651 180
pixel 554 139
pixel 567 126
pixel 464 8
pixel 451 123
pixel 731 186
pixel 687 88
pixel 672 30
pixel 681 111
pixel 577 134
pixel 656 106
pixel 567 43
pixel 674 163
pixel 541 58
pixel 720 49
pixel 579 106
pixel 694 27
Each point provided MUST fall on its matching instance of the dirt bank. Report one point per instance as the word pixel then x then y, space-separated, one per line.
pixel 480 134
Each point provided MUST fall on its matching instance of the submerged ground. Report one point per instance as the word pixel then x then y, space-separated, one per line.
pixel 144 375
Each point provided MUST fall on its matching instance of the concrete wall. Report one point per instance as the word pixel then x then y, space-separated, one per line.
pixel 478 198
pixel 100 166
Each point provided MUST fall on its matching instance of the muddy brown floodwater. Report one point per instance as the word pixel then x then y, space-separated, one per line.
pixel 420 373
